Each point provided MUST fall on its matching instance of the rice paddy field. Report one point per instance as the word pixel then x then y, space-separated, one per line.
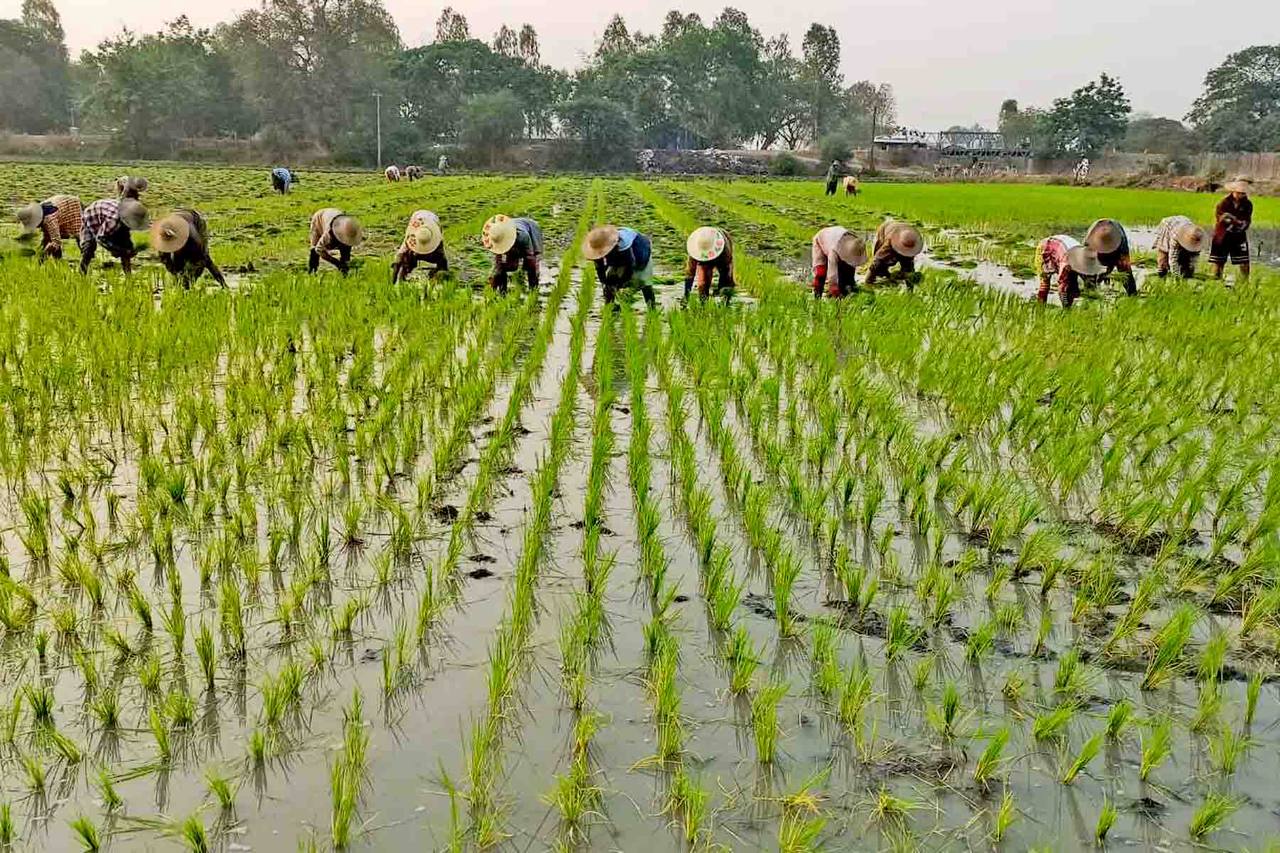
pixel 324 563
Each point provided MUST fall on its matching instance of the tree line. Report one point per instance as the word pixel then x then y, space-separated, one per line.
pixel 299 74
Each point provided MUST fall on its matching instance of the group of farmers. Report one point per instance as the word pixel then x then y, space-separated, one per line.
pixel 623 256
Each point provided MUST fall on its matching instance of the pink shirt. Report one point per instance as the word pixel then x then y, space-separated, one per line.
pixel 824 250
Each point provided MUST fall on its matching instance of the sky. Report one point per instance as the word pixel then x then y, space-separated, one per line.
pixel 949 63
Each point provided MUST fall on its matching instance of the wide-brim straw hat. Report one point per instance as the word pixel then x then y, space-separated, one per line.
pixel 852 249
pixel 346 229
pixel 170 233
pixel 1104 236
pixel 599 242
pixel 905 240
pixel 705 243
pixel 1190 237
pixel 1085 261
pixel 1239 184
pixel 499 234
pixel 426 238
pixel 30 216
pixel 133 214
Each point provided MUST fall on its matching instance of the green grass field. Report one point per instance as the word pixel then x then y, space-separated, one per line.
pixel 326 563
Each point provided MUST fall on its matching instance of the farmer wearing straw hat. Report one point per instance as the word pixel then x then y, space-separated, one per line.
pixel 332 229
pixel 423 244
pixel 182 241
pixel 1179 242
pixel 710 253
pixel 282 179
pixel 1109 239
pixel 623 256
pixel 57 218
pixel 895 244
pixel 1063 257
pixel 515 244
pixel 107 222
pixel 1234 215
pixel 837 254
pixel 130 187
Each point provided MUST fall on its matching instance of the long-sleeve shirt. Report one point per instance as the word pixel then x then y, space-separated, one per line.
pixel 322 239
pixel 1167 241
pixel 1232 214
pixel 193 258
pixel 824 251
pixel 526 250
pixel 283 176
pixel 1052 259
pixel 409 256
pixel 1119 257
pixel 63 219
pixel 100 224
pixel 722 265
pixel 632 254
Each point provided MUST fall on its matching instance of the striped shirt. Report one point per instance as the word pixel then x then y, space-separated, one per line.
pixel 1166 240
pixel 64 222
pixel 101 224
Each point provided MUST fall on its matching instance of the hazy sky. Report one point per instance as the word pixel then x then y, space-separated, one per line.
pixel 948 63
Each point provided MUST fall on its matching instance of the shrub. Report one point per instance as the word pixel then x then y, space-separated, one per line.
pixel 787 165
pixel 835 146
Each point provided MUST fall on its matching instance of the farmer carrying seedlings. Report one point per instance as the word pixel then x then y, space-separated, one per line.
pixel 107 222
pixel 710 253
pixel 623 256
pixel 423 244
pixel 57 218
pixel 516 244
pixel 1179 242
pixel 282 180
pixel 130 187
pixel 833 173
pixel 182 240
pixel 1063 257
pixel 1231 230
pixel 837 254
pixel 1108 239
pixel 895 244
pixel 332 229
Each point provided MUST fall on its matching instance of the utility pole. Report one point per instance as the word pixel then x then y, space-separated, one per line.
pixel 875 114
pixel 377 97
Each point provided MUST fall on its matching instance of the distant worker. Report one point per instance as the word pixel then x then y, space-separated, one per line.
pixel 392 173
pixel 131 187
pixel 623 258
pixel 108 222
pixel 837 254
pixel 412 173
pixel 1111 243
pixel 516 244
pixel 850 185
pixel 57 218
pixel 895 244
pixel 1234 215
pixel 442 165
pixel 1178 245
pixel 833 174
pixel 1081 172
pixel 423 244
pixel 333 229
pixel 710 254
pixel 1062 258
pixel 282 180
pixel 182 240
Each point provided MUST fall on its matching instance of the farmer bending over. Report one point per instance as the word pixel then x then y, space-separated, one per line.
pixel 896 244
pixel 1179 242
pixel 130 187
pixel 423 244
pixel 393 174
pixel 1108 238
pixel 282 179
pixel 850 185
pixel 516 244
pixel 182 239
pixel 1231 230
pixel 623 256
pixel 57 218
pixel 1063 257
pixel 107 222
pixel 837 254
pixel 710 253
pixel 332 229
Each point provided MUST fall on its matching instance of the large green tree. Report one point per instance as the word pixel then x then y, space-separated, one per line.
pixel 1153 135
pixel 1239 109
pixel 35 78
pixel 1094 117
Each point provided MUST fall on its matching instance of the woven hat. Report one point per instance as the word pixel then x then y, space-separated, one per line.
pixel 425 238
pixel 599 242
pixel 133 214
pixel 1104 236
pixel 1240 184
pixel 499 234
pixel 1085 261
pixel 851 249
pixel 170 233
pixel 347 230
pixel 1190 237
pixel 125 183
pixel 905 240
pixel 30 216
pixel 706 243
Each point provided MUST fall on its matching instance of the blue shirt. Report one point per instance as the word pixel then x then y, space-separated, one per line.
pixel 283 174
pixel 631 255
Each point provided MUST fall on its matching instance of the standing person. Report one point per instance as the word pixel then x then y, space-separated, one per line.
pixel 57 218
pixel 442 165
pixel 1234 215
pixel 895 244
pixel 833 173
pixel 710 253
pixel 1179 242
pixel 393 174
pixel 623 257
pixel 515 244
pixel 423 244
pixel 131 187
pixel 107 222
pixel 1063 258
pixel 182 240
pixel 282 180
pixel 1109 239
pixel 837 254
pixel 332 229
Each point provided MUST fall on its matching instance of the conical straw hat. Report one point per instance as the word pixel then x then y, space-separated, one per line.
pixel 1240 184
pixel 347 230
pixel 170 233
pixel 1085 261
pixel 499 234
pixel 133 214
pixel 852 249
pixel 705 243
pixel 905 240
pixel 1104 236
pixel 599 242
pixel 30 216
pixel 1190 237
pixel 425 238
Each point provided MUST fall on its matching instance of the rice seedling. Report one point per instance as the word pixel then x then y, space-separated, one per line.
pixel 1253 689
pixel 1087 753
pixel 1119 719
pixel 947 716
pixel 1157 744
pixel 1170 641
pixel 87 834
pixel 1106 819
pixel 990 760
pixel 1211 815
pixel 1052 724
pixel 1005 815
pixel 888 809
pixel 1227 748
pixel 111 799
pixel 8 831
pixel 765 726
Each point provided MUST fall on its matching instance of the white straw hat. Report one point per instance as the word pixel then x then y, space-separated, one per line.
pixel 706 243
pixel 499 234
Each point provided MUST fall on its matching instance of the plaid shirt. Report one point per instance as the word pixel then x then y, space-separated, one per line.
pixel 100 219
pixel 65 221
pixel 322 239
